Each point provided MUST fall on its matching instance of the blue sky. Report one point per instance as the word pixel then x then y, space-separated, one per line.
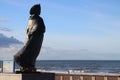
pixel 86 27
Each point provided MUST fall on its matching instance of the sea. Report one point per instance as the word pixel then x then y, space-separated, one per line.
pixel 84 66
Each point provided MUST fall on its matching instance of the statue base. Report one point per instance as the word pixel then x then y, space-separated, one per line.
pixel 21 72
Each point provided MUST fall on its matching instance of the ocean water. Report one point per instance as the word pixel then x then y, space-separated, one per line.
pixel 97 66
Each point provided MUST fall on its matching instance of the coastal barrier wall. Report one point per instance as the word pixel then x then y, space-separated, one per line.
pixel 58 76
pixel 88 76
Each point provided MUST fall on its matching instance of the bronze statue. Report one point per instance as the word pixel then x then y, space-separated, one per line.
pixel 26 57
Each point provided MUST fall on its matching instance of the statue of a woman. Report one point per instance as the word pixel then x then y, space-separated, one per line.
pixel 26 57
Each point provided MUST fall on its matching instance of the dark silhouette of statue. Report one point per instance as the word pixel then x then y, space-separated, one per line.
pixel 26 57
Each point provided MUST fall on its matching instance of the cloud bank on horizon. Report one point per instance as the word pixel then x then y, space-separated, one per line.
pixel 9 46
pixel 75 29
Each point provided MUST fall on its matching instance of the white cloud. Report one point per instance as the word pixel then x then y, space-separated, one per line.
pixel 48 53
pixel 103 44
pixel 8 47
pixel 4 28
pixel 7 53
pixel 4 20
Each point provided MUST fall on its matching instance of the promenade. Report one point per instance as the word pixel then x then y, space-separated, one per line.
pixel 59 76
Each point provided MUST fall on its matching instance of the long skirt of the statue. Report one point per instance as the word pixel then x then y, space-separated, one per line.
pixel 26 64
pixel 26 57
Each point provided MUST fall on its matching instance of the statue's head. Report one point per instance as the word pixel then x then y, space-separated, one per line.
pixel 36 9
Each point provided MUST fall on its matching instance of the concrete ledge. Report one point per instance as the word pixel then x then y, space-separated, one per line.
pixel 10 76
pixel 28 76
pixel 57 76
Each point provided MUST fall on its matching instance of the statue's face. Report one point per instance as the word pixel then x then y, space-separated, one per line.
pixel 36 9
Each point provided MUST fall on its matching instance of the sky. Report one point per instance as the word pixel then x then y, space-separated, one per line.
pixel 75 29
